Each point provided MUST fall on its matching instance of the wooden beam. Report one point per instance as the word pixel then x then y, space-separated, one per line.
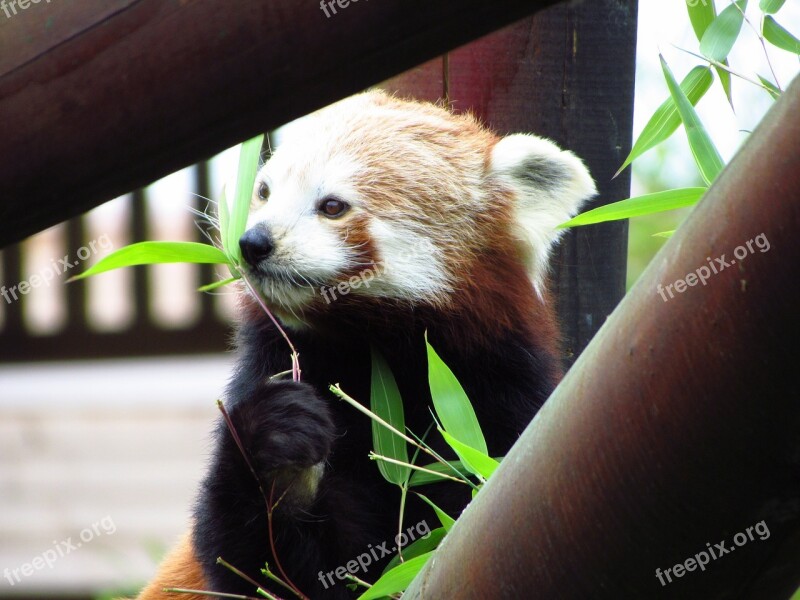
pixel 675 432
pixel 100 97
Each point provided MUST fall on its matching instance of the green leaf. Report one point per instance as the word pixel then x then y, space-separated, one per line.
pixel 217 284
pixel 396 580
pixel 701 14
pixel 385 401
pixel 638 206
pixel 151 253
pixel 245 182
pixel 703 149
pixel 721 35
pixel 664 234
pixel 451 403
pixel 779 37
pixel 666 119
pixel 446 520
pixel 772 89
pixel 725 80
pixel 475 461
pixel 771 6
pixel 418 548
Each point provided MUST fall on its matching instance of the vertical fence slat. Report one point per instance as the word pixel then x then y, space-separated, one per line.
pixel 205 273
pixel 12 275
pixel 75 293
pixel 584 65
pixel 140 279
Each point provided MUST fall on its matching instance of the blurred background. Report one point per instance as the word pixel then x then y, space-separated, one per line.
pixel 107 388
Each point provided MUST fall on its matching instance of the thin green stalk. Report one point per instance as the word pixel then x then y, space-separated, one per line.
pixel 282 374
pixel 358 581
pixel 763 44
pixel 270 575
pixel 289 583
pixel 267 501
pixel 374 456
pixel 211 594
pixel 295 355
pixel 403 494
pixel 719 65
pixel 247 578
pixel 764 47
pixel 438 457
pixel 343 396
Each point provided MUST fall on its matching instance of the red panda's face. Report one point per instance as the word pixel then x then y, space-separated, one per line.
pixel 379 197
pixel 296 242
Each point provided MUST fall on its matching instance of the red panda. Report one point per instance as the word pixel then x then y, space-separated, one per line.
pixel 376 221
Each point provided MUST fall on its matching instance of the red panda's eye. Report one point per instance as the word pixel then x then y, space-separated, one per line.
pixel 263 191
pixel 331 207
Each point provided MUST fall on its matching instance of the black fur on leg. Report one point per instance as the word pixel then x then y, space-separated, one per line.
pixel 287 431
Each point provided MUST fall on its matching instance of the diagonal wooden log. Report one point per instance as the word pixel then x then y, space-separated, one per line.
pixel 676 430
pixel 99 97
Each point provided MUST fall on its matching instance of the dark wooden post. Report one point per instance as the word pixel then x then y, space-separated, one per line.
pixel 583 85
pixel 566 73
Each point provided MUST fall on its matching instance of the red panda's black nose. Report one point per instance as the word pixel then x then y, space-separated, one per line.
pixel 256 245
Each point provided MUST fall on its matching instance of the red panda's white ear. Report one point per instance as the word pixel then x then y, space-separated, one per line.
pixel 549 187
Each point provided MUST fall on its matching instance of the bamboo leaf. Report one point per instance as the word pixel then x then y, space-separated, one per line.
pixel 779 37
pixel 703 149
pixel 475 461
pixel 151 253
pixel 385 401
pixel 726 81
pixel 451 403
pixel 772 89
pixel 217 284
pixel 701 13
pixel 421 546
pixel 446 520
pixel 770 7
pixel 638 206
pixel 245 182
pixel 721 34
pixel 396 580
pixel 666 119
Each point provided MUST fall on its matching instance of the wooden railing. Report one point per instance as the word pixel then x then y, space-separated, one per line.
pixel 77 336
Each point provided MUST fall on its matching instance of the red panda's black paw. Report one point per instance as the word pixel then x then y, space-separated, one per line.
pixel 283 425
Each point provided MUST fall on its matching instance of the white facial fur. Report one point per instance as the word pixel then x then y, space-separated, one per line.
pixel 412 267
pixel 316 251
pixel 309 250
